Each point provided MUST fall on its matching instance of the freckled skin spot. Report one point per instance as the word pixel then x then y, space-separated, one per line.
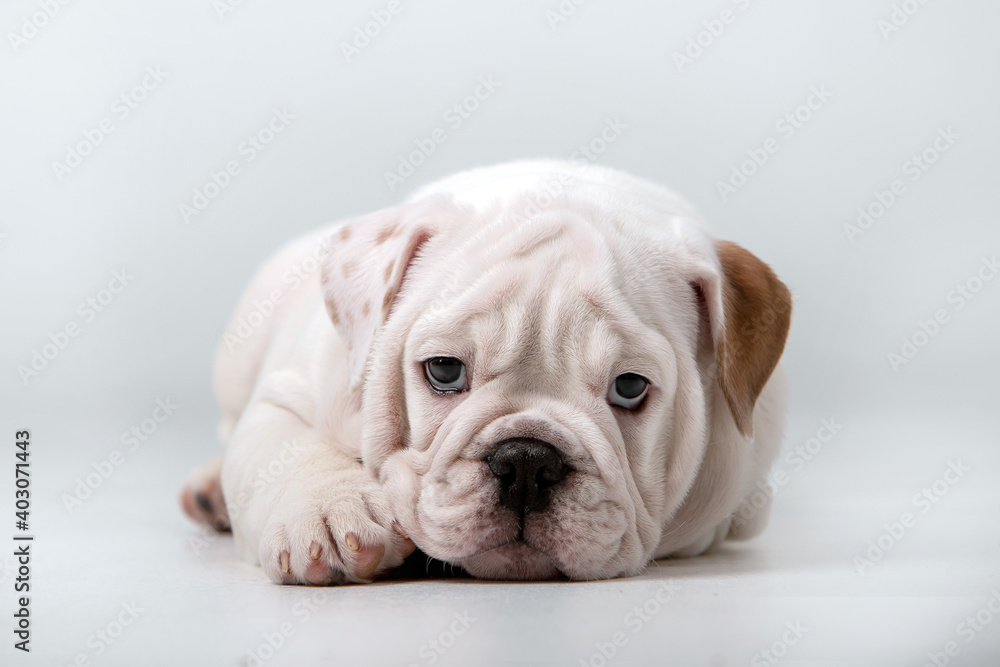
pixel 331 307
pixel 366 309
pixel 384 235
pixel 388 272
pixel 349 267
pixel 345 233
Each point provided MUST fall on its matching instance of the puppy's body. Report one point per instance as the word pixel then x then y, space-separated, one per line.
pixel 546 279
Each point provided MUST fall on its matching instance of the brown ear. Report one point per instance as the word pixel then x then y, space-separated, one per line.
pixel 756 314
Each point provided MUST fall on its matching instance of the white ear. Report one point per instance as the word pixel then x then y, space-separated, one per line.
pixel 365 265
pixel 749 312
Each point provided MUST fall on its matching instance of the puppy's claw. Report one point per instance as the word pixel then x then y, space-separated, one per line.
pixel 314 550
pixel 351 540
pixel 284 562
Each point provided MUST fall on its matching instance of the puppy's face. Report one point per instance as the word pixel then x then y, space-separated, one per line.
pixel 533 395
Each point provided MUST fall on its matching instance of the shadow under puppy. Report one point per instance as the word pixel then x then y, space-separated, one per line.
pixel 529 370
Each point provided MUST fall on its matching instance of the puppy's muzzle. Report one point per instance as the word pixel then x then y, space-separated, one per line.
pixel 527 469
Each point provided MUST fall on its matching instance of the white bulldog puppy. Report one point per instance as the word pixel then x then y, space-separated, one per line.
pixel 533 370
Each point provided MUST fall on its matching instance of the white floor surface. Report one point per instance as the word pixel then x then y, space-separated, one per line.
pixel 795 592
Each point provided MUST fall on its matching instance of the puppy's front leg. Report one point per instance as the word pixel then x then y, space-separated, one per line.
pixel 301 508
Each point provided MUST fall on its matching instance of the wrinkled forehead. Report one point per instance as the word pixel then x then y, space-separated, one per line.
pixel 564 239
pixel 555 291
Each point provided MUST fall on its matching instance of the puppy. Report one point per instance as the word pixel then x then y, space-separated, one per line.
pixel 532 370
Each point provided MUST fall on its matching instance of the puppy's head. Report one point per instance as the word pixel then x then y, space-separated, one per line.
pixel 537 391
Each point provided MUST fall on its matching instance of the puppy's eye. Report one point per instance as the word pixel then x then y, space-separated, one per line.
pixel 628 390
pixel 446 374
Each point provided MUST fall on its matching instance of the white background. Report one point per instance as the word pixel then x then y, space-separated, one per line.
pixel 687 127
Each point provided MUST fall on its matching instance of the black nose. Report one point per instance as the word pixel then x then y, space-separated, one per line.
pixel 527 470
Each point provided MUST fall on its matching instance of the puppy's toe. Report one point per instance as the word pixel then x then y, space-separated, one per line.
pixel 320 569
pixel 313 557
pixel 362 559
pixel 366 547
pixel 276 555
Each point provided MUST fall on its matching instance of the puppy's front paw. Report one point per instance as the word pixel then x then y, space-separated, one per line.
pixel 343 532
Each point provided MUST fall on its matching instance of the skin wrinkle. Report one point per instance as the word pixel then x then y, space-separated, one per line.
pixel 483 514
pixel 541 335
